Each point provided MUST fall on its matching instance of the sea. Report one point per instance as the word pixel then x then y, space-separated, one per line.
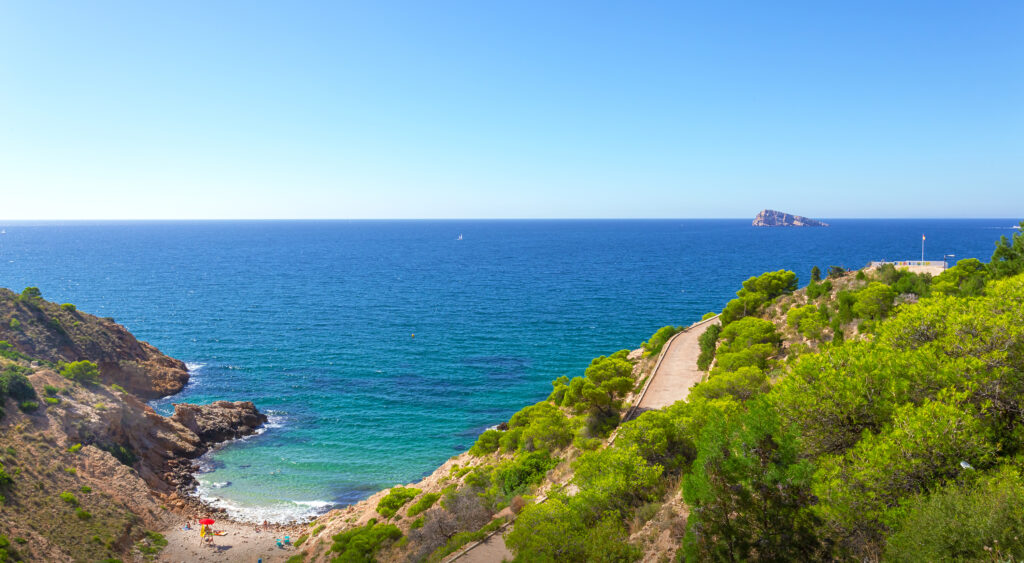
pixel 379 349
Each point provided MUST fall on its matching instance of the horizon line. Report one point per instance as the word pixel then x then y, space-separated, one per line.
pixel 340 219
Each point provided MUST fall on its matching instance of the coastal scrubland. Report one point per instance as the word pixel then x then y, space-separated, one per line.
pixel 869 415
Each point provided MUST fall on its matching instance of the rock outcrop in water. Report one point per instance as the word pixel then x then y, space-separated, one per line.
pixel 772 218
pixel 219 421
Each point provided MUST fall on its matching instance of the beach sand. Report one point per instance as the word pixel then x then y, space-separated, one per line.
pixel 242 543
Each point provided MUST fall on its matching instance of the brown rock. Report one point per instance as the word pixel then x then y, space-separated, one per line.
pixel 219 421
pixel 48 331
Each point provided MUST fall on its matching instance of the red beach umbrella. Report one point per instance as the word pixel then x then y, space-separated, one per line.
pixel 207 521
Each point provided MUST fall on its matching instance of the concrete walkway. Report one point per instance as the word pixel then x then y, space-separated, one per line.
pixel 678 370
pixel 491 550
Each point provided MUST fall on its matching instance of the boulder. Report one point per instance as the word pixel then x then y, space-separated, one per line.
pixel 219 421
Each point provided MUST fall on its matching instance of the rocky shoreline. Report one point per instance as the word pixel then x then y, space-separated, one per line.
pixel 213 424
pixel 89 469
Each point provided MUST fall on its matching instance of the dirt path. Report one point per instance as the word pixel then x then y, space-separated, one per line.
pixel 677 371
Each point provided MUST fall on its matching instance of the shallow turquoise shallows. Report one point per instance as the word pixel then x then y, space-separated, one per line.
pixel 381 348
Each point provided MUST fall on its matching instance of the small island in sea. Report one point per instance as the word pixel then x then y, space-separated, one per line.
pixel 772 218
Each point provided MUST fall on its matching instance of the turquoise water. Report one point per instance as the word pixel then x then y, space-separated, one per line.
pixel 315 321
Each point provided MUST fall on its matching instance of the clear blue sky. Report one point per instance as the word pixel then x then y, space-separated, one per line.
pixel 149 110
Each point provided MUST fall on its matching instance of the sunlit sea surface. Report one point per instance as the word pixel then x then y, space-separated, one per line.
pixel 381 348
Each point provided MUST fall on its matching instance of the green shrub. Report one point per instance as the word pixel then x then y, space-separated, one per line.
pixel 86 489
pixel 75 448
pixel 658 339
pixel 487 443
pixel 708 315
pixel 707 342
pixel 557 531
pixel 1008 257
pixel 70 471
pixel 69 307
pixel 31 296
pixel 152 544
pixel 756 292
pixel 360 544
pixel 69 498
pixel 425 502
pixel 395 500
pixel 302 539
pixel 51 400
pixel 28 406
pixel 816 290
pixel 14 323
pixel 82 371
pixel 297 558
pixel 512 477
pixel 874 301
pixel 14 384
pixel 317 529
pixel 82 514
pixel 966 279
pixel 118 388
pixel 417 523
pixel 742 384
pixel 50 389
pixel 5 478
pixel 749 341
pixel 964 522
pixel 807 320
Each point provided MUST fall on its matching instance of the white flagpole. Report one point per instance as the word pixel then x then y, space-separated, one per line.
pixel 922 248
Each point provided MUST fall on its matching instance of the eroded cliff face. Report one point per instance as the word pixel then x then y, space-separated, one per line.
pixel 772 218
pixel 55 333
pixel 127 468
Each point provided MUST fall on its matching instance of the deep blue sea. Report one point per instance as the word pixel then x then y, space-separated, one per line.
pixel 381 348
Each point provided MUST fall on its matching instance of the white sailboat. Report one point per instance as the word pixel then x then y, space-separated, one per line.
pixel 460 237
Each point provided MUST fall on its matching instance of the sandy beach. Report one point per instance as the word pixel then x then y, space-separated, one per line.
pixel 242 543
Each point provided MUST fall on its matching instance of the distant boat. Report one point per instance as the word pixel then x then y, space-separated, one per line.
pixel 460 237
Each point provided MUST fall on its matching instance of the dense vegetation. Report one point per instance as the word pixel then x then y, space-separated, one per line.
pixel 875 415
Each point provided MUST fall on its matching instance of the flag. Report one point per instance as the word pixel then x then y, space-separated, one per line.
pixel 922 238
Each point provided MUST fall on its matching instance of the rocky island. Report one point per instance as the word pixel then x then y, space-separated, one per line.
pixel 772 218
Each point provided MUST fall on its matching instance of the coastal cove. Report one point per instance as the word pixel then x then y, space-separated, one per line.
pixel 381 348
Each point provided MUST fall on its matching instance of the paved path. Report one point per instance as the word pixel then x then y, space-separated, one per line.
pixel 677 371
pixel 491 550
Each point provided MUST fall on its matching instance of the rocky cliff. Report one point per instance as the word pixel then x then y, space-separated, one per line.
pixel 87 469
pixel 52 333
pixel 772 218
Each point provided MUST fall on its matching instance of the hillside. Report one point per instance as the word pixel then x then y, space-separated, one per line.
pixel 870 415
pixel 50 333
pixel 88 471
